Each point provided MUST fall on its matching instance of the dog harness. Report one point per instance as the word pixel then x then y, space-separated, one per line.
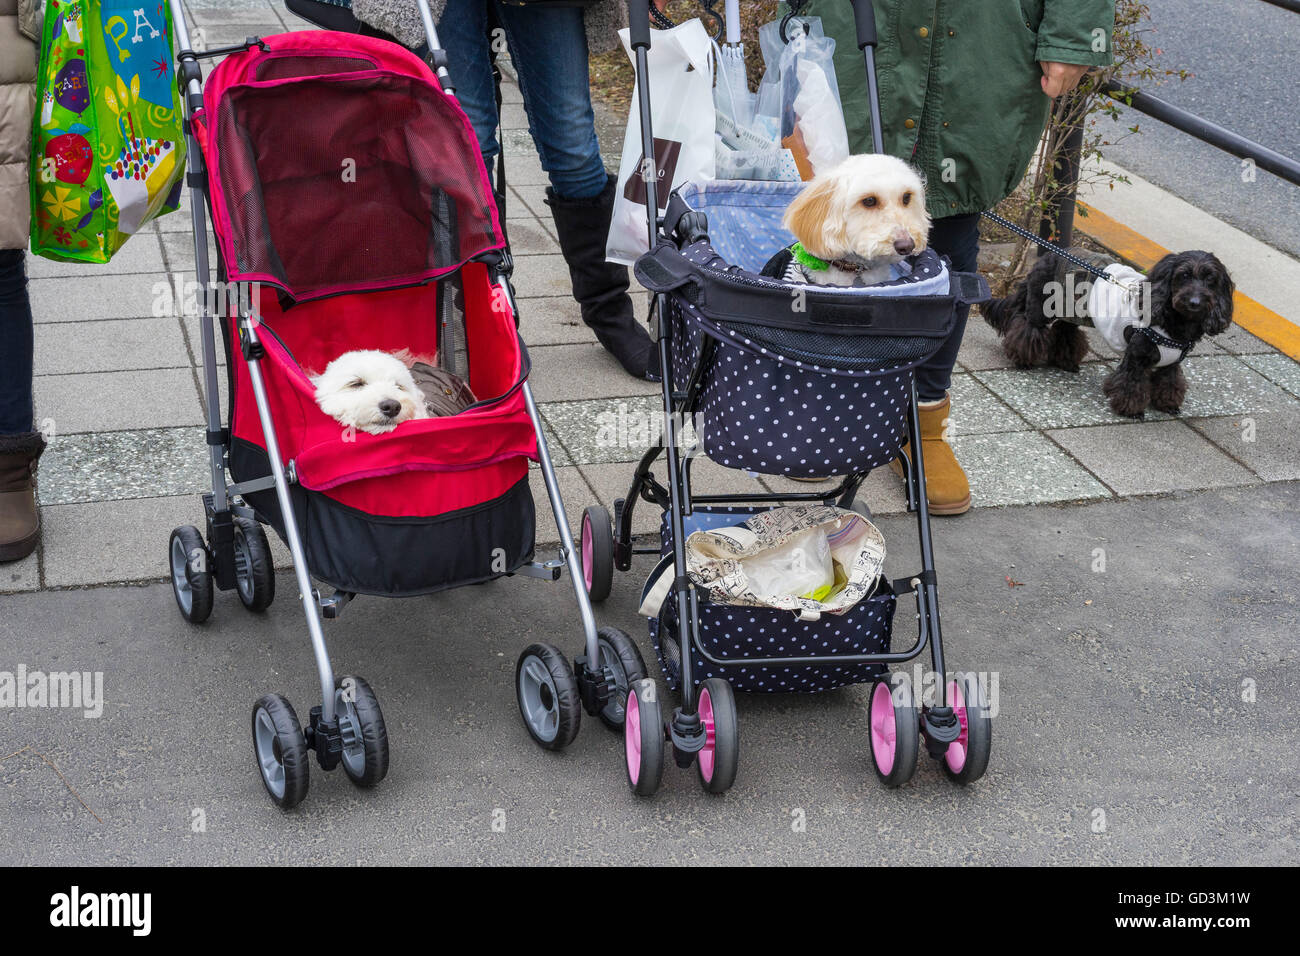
pixel 794 263
pixel 1115 308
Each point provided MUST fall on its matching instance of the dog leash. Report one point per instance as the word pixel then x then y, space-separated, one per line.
pixel 1050 246
pixel 1155 337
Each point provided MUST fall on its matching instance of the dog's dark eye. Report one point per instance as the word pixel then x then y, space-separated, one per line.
pixel 907 199
pixel 871 202
pixel 359 383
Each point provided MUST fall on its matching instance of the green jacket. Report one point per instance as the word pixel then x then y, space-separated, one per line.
pixel 959 84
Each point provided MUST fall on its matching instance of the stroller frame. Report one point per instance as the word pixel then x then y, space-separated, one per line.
pixel 688 733
pixel 200 561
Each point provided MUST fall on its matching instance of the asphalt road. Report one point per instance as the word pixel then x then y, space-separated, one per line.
pixel 1120 693
pixel 1246 58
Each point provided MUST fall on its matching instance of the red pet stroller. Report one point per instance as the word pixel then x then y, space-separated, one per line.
pixel 352 211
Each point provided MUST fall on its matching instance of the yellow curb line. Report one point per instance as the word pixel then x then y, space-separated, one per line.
pixel 1139 251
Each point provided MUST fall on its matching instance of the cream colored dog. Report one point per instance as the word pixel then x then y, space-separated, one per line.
pixel 856 221
pixel 370 391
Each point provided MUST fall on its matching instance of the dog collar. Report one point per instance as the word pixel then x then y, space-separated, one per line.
pixel 807 259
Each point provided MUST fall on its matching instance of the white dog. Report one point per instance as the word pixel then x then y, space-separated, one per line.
pixel 854 223
pixel 370 391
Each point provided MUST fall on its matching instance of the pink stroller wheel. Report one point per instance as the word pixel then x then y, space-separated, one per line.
pixel 718 760
pixel 643 738
pixel 967 757
pixel 895 730
pixel 597 550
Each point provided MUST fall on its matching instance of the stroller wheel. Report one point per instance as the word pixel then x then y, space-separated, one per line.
pixel 254 568
pixel 548 696
pixel 643 738
pixel 281 750
pixel 619 654
pixel 191 568
pixel 365 738
pixel 597 548
pixel 718 760
pixel 895 730
pixel 968 756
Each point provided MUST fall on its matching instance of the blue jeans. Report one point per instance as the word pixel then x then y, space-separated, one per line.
pixel 15 345
pixel 549 49
pixel 958 238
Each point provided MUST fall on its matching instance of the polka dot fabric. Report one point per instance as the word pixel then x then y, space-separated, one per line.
pixel 734 633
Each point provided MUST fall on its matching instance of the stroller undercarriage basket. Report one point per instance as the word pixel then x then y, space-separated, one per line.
pixel 729 637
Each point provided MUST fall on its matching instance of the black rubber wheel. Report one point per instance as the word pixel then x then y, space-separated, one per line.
pixel 894 731
pixel 254 567
pixel 717 763
pixel 281 750
pixel 548 697
pixel 620 655
pixel 191 573
pixel 968 756
pixel 643 739
pixel 596 552
pixel 365 737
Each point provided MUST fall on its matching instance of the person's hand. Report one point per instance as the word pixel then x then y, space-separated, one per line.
pixel 1060 78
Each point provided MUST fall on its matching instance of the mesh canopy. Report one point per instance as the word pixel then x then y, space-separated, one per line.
pixel 339 183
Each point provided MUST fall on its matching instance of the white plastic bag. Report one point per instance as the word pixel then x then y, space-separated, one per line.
pixel 682 114
pixel 799 98
pixel 800 566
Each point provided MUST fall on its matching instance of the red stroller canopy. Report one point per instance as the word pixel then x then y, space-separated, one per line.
pixel 337 164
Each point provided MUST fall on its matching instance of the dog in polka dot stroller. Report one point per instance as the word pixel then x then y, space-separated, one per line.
pixel 790 380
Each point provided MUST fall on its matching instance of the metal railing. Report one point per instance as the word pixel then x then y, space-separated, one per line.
pixel 1061 224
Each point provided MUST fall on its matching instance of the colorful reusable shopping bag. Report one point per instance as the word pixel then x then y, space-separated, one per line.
pixel 108 153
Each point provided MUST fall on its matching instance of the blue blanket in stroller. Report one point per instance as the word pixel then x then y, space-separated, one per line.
pixel 745 229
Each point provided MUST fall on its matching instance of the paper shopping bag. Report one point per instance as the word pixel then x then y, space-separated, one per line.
pixel 681 99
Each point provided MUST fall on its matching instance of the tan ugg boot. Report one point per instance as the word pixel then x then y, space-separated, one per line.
pixel 20 522
pixel 947 489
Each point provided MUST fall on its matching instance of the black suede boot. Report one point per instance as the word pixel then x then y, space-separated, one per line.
pixel 600 287
pixel 20 521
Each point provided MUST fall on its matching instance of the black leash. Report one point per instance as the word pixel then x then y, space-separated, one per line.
pixel 1051 247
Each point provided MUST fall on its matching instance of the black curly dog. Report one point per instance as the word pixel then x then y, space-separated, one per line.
pixel 1190 296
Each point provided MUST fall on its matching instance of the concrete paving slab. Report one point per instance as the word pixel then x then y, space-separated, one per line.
pixel 576 493
pixel 606 430
pixel 612 480
pixel 140 254
pixel 1052 398
pixel 1016 468
pixel 980 346
pixel 555 320
pixel 976 411
pixel 529 238
pixel 1152 457
pixel 24 575
pixel 104 466
pixel 99 541
pixel 581 371
pixel 178 247
pixel 109 346
pixel 105 297
pixel 542 275
pixel 1278 369
pixel 1224 385
pixel 114 401
pixel 1268 443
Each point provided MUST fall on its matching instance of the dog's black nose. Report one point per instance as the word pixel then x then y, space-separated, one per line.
pixel 904 246
pixel 1195 302
pixel 390 407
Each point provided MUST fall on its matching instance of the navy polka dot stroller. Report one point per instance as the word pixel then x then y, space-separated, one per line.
pixel 779 379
